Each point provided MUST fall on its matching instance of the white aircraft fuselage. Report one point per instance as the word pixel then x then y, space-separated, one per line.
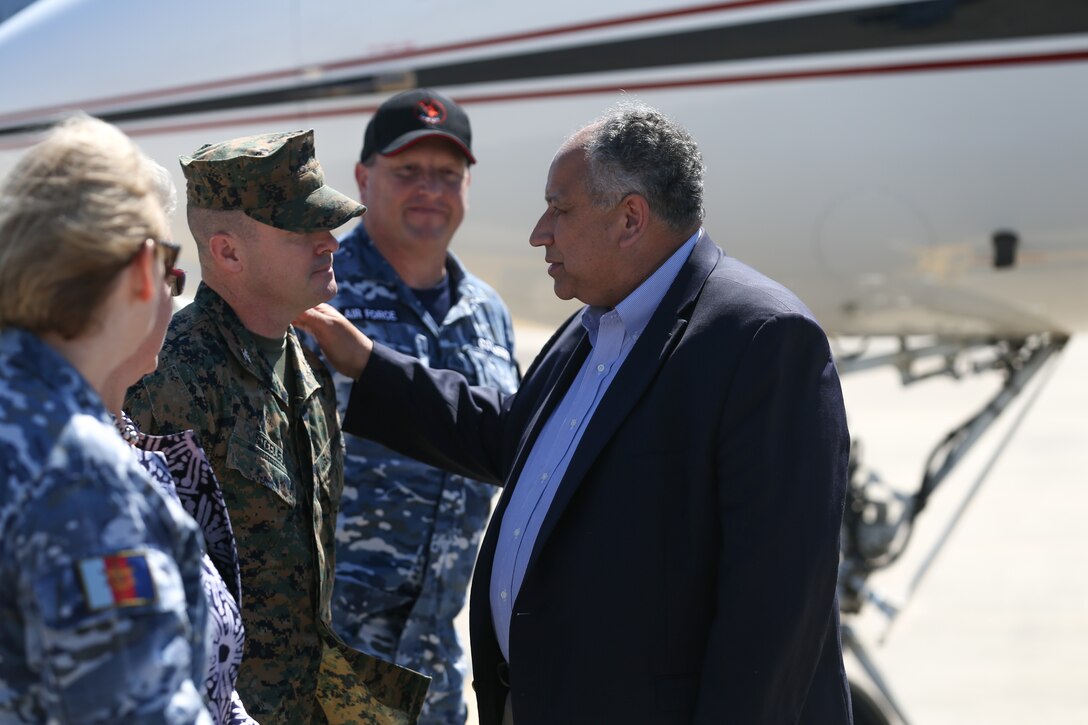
pixel 910 167
pixel 905 167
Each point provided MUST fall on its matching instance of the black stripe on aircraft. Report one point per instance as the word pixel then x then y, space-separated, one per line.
pixel 906 25
pixel 923 23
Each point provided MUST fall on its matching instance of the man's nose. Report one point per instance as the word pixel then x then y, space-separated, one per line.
pixel 542 232
pixel 326 243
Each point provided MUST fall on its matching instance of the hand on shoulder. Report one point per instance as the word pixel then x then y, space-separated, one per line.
pixel 345 347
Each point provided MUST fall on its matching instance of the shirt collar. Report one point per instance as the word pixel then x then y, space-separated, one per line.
pixel 636 309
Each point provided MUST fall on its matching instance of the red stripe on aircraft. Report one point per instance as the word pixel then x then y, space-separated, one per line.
pixel 558 30
pixel 892 68
pixel 856 71
pixel 90 105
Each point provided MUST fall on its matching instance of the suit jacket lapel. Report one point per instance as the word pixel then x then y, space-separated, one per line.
pixel 662 333
pixel 569 352
pixel 559 366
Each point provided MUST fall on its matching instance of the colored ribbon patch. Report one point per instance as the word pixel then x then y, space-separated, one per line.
pixel 121 580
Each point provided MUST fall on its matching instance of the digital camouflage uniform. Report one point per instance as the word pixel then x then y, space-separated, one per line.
pixel 408 533
pixel 102 611
pixel 212 378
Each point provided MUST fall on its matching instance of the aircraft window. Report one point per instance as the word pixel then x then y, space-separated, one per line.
pixel 10 7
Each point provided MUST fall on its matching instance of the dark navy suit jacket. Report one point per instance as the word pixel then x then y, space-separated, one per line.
pixel 686 570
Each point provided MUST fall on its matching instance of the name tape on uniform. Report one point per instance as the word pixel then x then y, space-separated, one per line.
pixel 366 313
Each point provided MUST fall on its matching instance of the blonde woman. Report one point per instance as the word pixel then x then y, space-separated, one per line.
pixel 102 612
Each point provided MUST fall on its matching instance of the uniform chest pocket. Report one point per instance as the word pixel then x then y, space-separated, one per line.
pixel 329 467
pixel 404 343
pixel 257 458
pixel 492 365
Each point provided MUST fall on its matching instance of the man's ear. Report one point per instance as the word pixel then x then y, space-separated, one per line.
pixel 362 175
pixel 635 215
pixel 227 252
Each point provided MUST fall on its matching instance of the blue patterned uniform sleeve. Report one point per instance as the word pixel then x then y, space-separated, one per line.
pixel 122 649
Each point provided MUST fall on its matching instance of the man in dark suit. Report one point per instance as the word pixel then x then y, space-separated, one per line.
pixel 666 546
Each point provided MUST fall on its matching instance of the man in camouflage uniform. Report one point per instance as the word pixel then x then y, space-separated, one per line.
pixel 102 614
pixel 264 410
pixel 407 539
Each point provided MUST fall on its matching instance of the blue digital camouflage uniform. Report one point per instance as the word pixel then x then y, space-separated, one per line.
pixel 102 611
pixel 408 533
pixel 212 379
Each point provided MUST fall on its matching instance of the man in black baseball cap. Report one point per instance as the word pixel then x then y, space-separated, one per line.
pixel 407 533
pixel 409 117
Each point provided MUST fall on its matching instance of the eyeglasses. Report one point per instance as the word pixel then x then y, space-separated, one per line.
pixel 175 277
pixel 170 252
pixel 446 179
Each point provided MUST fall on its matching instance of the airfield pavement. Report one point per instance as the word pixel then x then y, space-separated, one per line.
pixel 995 630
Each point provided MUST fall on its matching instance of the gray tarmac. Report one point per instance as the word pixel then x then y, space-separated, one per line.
pixel 992 588
pixel 995 629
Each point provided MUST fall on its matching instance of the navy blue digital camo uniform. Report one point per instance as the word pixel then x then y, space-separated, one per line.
pixel 102 611
pixel 407 533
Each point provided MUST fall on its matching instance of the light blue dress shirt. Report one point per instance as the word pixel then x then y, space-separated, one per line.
pixel 612 334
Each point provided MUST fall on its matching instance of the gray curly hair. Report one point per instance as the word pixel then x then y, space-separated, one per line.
pixel 634 148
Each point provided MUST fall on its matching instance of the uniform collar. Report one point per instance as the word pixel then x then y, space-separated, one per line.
pixel 358 251
pixel 243 347
pixel 26 355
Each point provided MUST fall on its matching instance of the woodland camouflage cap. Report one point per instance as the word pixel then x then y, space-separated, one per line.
pixel 274 178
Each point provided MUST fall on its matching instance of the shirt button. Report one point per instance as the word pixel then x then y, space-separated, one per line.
pixel 502 595
pixel 517 533
pixel 544 476
pixel 600 368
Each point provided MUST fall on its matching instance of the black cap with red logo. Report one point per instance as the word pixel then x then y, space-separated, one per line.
pixel 411 116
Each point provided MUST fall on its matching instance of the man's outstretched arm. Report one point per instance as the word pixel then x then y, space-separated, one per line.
pixel 434 416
